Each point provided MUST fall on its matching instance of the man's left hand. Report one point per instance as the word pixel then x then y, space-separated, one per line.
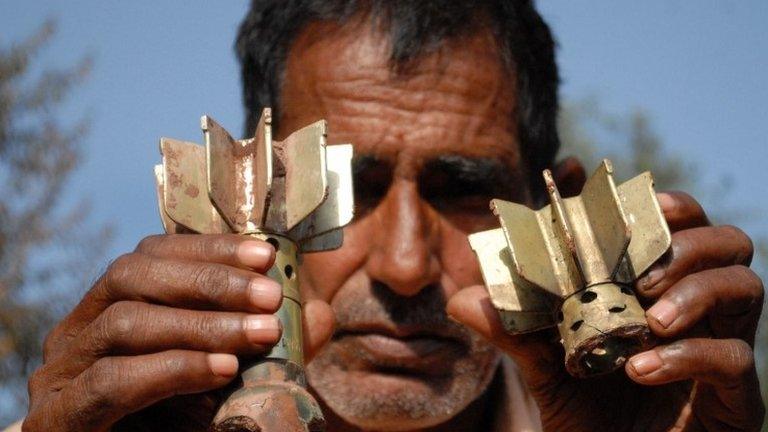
pixel 705 303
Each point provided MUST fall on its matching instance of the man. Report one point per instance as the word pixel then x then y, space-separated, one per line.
pixel 448 104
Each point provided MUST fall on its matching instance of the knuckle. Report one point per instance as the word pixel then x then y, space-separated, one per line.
pixel 99 383
pixel 746 246
pixel 212 281
pixel 37 382
pixel 173 364
pixel 51 342
pixel 124 271
pixel 149 244
pixel 217 246
pixel 118 321
pixel 120 270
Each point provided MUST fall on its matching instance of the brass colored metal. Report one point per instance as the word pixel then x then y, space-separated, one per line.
pixel 571 265
pixel 295 194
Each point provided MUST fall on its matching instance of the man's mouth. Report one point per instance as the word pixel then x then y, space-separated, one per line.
pixel 394 350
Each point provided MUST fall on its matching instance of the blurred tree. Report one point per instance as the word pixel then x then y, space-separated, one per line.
pixel 633 146
pixel 46 248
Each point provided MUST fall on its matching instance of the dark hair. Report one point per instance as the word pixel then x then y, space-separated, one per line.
pixel 416 27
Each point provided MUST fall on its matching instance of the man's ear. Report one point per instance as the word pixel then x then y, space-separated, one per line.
pixel 569 176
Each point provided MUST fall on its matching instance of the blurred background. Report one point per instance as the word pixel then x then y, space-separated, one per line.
pixel 88 87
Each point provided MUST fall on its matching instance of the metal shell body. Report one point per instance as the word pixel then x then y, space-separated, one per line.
pixel 571 264
pixel 296 194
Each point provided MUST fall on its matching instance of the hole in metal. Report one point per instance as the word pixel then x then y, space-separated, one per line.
pixel 288 271
pixel 609 355
pixel 577 325
pixel 273 241
pixel 626 290
pixel 588 297
pixel 617 309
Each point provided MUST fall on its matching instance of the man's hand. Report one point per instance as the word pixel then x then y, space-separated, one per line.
pixel 704 306
pixel 161 327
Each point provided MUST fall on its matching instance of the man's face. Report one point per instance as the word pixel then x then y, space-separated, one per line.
pixel 433 145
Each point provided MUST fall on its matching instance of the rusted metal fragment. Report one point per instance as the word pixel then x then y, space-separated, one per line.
pixel 650 234
pixel 290 193
pixel 522 307
pixel 168 224
pixel 338 208
pixel 271 399
pixel 306 176
pixel 185 199
pixel 601 327
pixel 239 174
pixel 579 257
pixel 601 230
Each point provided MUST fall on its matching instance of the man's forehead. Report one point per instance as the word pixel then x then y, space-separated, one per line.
pixel 459 99
pixel 358 45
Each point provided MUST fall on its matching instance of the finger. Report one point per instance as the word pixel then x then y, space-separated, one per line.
pixel 318 325
pixel 182 284
pixel 538 358
pixel 681 210
pixel 724 367
pixel 229 249
pixel 731 296
pixel 694 250
pixel 133 328
pixel 117 386
pixel 720 362
pixel 188 285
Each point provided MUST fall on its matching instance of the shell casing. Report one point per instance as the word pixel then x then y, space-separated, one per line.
pixel 600 327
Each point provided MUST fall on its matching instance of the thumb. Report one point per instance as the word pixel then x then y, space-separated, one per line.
pixel 318 324
pixel 539 357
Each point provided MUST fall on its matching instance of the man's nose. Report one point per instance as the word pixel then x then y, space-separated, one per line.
pixel 403 252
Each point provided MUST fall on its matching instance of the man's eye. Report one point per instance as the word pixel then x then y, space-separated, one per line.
pixel 372 179
pixel 368 195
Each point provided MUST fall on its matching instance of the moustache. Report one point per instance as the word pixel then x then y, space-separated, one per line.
pixel 374 306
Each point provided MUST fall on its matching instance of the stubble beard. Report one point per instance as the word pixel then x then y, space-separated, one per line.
pixel 349 383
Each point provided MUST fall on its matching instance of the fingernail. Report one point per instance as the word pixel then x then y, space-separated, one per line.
pixel 265 294
pixel 224 365
pixel 645 363
pixel 254 253
pixel 262 329
pixel 664 311
pixel 653 277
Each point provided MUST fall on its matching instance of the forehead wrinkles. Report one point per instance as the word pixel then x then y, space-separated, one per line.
pixel 460 99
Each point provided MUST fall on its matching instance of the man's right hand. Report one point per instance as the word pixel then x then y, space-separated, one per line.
pixel 162 323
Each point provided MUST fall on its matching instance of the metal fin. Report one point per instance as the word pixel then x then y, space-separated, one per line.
pixel 605 232
pixel 521 306
pixel 651 237
pixel 338 208
pixel 185 200
pixel 555 223
pixel 237 172
pixel 306 182
pixel 534 248
pixel 168 224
